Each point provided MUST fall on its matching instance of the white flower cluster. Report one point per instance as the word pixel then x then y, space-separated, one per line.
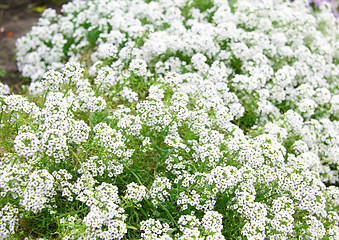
pixel 35 189
pixel 105 219
pixel 138 67
pixel 13 176
pixel 110 217
pixel 225 113
pixel 113 143
pixel 315 143
pixel 8 220
pixel 26 144
pixel 38 192
pixel 154 229
pixel 159 191
pixel 4 89
pixel 209 227
pixel 135 192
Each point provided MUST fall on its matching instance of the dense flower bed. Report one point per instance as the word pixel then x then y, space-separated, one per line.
pixel 174 120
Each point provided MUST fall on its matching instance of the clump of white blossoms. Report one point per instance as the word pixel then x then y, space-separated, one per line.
pixel 8 220
pixel 138 67
pixel 179 119
pixel 26 144
pixel 153 229
pixel 135 192
pixel 159 191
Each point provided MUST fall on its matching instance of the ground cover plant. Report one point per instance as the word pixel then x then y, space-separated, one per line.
pixel 174 120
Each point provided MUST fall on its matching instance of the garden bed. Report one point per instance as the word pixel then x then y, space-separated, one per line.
pixel 194 119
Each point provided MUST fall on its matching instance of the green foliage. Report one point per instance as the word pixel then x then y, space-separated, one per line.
pixel 231 218
pixel 3 72
pixel 203 5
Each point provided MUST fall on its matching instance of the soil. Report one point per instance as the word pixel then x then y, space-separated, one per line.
pixel 16 19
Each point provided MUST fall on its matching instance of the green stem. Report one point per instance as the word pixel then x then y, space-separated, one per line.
pixel 169 214
pixel 2 111
pixel 76 212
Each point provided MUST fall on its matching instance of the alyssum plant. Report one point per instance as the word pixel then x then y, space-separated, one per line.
pixel 174 120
